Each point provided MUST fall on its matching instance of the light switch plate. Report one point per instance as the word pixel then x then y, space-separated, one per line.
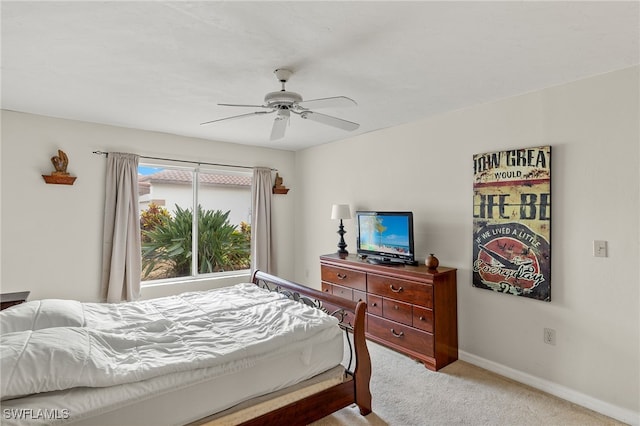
pixel 599 248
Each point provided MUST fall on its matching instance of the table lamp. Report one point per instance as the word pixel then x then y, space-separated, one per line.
pixel 341 211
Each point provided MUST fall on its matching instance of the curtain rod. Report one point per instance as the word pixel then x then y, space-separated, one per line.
pixel 106 154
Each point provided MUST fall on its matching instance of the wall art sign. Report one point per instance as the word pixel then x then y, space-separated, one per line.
pixel 512 222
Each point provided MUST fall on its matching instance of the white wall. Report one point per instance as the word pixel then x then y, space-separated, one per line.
pixel 426 167
pixel 51 234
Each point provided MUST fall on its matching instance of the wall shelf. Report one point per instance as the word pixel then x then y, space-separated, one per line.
pixel 59 179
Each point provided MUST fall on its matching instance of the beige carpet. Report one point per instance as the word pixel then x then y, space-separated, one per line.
pixel 405 393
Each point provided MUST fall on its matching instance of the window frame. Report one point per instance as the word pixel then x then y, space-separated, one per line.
pixel 195 170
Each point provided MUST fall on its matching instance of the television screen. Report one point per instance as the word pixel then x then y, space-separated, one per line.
pixel 386 236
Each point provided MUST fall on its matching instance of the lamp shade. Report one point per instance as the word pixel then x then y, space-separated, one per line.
pixel 340 211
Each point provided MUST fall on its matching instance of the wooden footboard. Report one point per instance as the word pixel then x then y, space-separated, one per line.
pixel 353 389
pixel 352 317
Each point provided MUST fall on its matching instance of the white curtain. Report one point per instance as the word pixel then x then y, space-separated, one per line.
pixel 261 191
pixel 121 260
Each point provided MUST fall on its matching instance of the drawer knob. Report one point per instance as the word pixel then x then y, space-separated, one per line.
pixel 395 290
pixel 341 276
pixel 397 334
pixel 374 304
pixel 396 307
pixel 421 318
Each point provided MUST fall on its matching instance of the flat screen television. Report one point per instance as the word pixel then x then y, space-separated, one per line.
pixel 385 237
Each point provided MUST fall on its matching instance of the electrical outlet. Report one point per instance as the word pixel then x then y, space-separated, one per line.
pixel 549 336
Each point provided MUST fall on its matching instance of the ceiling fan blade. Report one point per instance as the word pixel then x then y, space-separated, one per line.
pixel 333 102
pixel 244 105
pixel 233 117
pixel 330 121
pixel 280 125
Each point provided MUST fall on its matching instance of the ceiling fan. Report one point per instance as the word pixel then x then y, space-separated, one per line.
pixel 283 103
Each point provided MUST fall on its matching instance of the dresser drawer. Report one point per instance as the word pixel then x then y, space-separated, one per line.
pixel 400 334
pixel 397 311
pixel 423 319
pixel 374 304
pixel 344 277
pixel 406 291
pixel 359 295
pixel 344 292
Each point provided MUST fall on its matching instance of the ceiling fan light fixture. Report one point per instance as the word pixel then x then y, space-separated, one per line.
pixel 283 114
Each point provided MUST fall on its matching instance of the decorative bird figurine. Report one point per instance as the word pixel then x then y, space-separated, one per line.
pixel 60 163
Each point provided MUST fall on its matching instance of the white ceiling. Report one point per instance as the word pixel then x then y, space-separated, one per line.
pixel 164 66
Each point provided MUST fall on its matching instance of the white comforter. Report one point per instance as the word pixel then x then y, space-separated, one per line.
pixel 53 344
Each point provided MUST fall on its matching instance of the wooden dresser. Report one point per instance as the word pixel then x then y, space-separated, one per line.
pixel 410 309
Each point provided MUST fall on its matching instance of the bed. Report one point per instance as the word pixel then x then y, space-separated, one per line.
pixel 237 355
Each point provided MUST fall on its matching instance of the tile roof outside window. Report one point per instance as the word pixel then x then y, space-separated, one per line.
pixel 184 177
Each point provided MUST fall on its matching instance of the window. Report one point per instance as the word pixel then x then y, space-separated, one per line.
pixel 168 198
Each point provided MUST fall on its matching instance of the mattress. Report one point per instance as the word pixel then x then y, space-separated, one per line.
pixel 182 396
pixel 175 399
pixel 256 407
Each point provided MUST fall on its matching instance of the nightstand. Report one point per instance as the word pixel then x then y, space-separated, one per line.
pixel 10 299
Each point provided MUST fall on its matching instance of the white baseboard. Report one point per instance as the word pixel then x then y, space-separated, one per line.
pixel 622 414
